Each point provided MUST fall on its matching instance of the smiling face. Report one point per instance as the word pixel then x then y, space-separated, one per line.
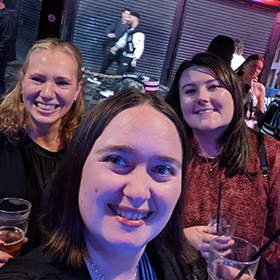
pixel 49 87
pixel 131 180
pixel 205 103
pixel 252 69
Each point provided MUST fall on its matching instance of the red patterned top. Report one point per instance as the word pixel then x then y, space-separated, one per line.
pixel 256 203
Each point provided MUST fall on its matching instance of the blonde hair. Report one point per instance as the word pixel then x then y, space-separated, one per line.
pixel 14 118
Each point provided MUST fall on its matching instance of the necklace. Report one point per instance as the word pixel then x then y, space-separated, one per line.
pixel 100 275
pixel 206 158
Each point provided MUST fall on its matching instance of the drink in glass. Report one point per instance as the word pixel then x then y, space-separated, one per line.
pixel 226 226
pixel 14 217
pixel 228 256
pixel 12 238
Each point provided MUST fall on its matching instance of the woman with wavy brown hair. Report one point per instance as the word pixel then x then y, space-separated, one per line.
pixel 37 121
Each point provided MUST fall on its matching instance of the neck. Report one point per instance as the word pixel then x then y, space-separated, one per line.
pixel 207 143
pixel 123 263
pixel 46 138
pixel 2 6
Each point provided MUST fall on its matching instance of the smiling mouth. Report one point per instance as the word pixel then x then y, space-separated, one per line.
pixel 205 112
pixel 46 106
pixel 129 214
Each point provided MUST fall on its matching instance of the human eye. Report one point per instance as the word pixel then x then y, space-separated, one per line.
pixel 37 79
pixel 163 170
pixel 116 160
pixel 190 91
pixel 62 83
pixel 214 86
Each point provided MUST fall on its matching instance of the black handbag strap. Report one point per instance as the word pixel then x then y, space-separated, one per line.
pixel 263 159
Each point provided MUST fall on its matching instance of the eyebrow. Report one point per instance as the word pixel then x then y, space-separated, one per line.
pixel 206 82
pixel 126 149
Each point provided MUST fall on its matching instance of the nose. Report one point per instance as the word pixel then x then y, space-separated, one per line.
pixel 47 90
pixel 137 188
pixel 202 96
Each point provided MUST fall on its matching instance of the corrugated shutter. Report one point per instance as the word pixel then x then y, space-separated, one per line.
pixel 205 19
pixel 94 17
pixel 28 23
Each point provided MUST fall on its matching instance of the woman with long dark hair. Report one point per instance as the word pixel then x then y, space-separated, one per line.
pixel 224 152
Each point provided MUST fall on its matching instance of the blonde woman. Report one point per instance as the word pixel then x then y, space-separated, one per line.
pixel 37 121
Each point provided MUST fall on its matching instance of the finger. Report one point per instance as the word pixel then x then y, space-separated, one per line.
pixel 25 240
pixel 4 257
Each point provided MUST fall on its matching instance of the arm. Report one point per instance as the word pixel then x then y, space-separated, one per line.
pixel 120 44
pixel 8 30
pixel 272 254
pixel 261 96
pixel 138 42
pixel 110 31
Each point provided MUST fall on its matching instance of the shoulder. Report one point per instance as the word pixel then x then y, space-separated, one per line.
pixel 168 266
pixel 261 88
pixel 39 265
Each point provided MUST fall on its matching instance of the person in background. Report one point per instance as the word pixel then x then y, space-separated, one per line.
pixel 223 47
pixel 133 42
pixel 37 121
pixel 114 32
pixel 224 152
pixel 7 42
pixel 249 75
pixel 277 83
pixel 238 57
pixel 116 204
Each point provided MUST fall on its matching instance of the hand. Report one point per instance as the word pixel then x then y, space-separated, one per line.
pixel 4 257
pixel 113 50
pixel 200 239
pixel 133 63
pixel 251 81
pixel 111 35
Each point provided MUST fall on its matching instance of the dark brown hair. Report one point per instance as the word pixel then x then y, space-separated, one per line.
pixel 233 143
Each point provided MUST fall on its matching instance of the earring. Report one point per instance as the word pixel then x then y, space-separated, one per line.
pixel 20 98
pixel 73 105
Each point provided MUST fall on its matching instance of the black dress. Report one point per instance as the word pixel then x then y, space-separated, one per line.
pixel 24 171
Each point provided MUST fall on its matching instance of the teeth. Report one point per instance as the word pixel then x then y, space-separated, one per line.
pixel 127 214
pixel 46 107
pixel 205 112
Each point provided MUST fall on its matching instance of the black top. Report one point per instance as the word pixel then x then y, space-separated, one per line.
pixel 7 35
pixel 24 171
pixel 39 265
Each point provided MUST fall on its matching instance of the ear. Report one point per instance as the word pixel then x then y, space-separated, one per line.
pixel 78 90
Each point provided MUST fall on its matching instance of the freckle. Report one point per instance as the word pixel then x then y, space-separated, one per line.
pixel 85 193
pixel 96 189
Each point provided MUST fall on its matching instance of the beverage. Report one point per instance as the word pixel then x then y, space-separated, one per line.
pixel 223 269
pixel 13 238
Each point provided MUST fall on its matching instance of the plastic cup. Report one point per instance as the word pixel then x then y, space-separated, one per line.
pixel 228 256
pixel 14 217
pixel 226 226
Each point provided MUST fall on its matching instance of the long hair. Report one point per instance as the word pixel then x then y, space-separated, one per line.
pixel 239 71
pixel 14 118
pixel 233 144
pixel 61 221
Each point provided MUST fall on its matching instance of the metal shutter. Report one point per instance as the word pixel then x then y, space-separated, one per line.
pixel 94 17
pixel 205 19
pixel 28 23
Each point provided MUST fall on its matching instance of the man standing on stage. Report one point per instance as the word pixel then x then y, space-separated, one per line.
pixel 133 43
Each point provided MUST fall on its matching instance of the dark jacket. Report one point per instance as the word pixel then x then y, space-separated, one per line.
pixel 38 265
pixel 7 35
